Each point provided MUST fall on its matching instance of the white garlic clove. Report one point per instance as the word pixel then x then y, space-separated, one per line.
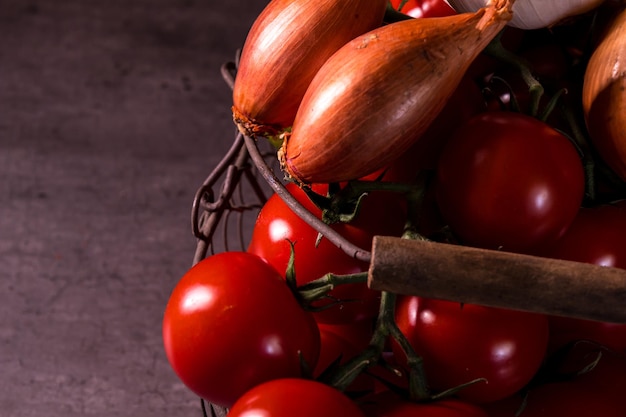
pixel 533 14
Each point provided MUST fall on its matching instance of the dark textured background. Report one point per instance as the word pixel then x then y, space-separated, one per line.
pixel 112 112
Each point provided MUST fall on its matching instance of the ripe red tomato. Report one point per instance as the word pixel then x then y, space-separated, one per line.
pixel 565 330
pixel 462 342
pixel 358 334
pixel 595 236
pixel 595 367
pixel 509 181
pixel 565 399
pixel 291 397
pixel 231 323
pixel 585 369
pixel 464 103
pixel 549 64
pixel 390 404
pixel 277 224
pixel 340 344
pixel 424 8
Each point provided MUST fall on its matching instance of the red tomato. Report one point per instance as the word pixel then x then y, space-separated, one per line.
pixel 341 343
pixel 567 399
pixel 508 181
pixel 485 65
pixel 607 375
pixel 231 323
pixel 292 397
pixel 466 102
pixel 548 64
pixel 424 8
pixel 564 330
pixel 597 375
pixel 596 236
pixel 459 343
pixel 390 404
pixel 359 334
pixel 277 224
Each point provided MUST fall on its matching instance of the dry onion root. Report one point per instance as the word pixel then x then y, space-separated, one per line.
pixel 376 95
pixel 604 95
pixel 288 42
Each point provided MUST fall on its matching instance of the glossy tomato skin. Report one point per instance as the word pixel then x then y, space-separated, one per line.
pixel 465 102
pixel 340 344
pixel 596 236
pixel 595 367
pixel 390 404
pixel 231 323
pixel 508 181
pixel 463 342
pixel 585 380
pixel 424 8
pixel 561 399
pixel 292 397
pixel 277 225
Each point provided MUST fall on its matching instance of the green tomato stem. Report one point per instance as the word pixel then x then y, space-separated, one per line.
pixel 498 51
pixel 319 288
pixel 385 327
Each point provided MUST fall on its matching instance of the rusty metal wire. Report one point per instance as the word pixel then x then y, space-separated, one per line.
pixel 246 160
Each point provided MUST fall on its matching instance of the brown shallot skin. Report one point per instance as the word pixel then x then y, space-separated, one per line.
pixel 376 95
pixel 286 45
pixel 604 95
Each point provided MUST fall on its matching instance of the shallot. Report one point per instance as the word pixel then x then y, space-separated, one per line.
pixel 375 96
pixel 288 42
pixel 604 95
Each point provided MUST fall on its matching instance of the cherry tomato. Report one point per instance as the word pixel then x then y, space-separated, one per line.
pixel 596 236
pixel 585 369
pixel 338 345
pixel 424 8
pixel 565 399
pixel 390 404
pixel 463 342
pixel 277 225
pixel 508 181
pixel 550 66
pixel 291 397
pixel 231 323
pixel 564 330
pixel 466 101
pixel 358 334
pixel 596 367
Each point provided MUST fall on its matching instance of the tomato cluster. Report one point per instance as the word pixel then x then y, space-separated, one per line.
pixel 290 327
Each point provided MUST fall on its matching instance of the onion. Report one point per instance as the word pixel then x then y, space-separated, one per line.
pixel 288 42
pixel 376 95
pixel 604 95
pixel 534 14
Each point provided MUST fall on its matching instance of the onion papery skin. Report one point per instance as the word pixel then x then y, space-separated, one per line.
pixel 604 96
pixel 286 45
pixel 534 14
pixel 377 95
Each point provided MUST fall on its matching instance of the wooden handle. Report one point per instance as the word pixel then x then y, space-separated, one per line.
pixel 498 279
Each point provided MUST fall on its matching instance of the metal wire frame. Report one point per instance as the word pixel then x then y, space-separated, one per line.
pixel 243 177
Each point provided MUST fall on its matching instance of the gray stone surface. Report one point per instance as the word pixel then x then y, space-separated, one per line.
pixel 112 112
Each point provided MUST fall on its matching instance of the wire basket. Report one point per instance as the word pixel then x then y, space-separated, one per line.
pixel 227 203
